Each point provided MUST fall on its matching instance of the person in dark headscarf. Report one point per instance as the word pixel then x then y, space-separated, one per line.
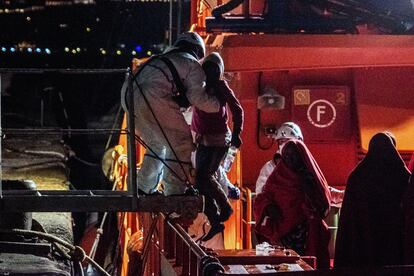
pixel 370 231
pixel 408 205
pixel 294 201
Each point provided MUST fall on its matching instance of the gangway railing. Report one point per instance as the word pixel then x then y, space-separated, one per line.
pixel 247 219
pixel 91 200
pixel 173 251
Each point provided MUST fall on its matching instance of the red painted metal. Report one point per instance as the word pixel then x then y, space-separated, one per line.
pixel 249 85
pixel 322 112
pixel 253 52
pixel 194 15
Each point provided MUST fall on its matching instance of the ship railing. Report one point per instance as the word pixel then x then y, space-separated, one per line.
pixel 171 250
pixel 247 219
pixel 127 199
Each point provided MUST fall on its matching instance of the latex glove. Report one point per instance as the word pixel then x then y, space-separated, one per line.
pixel 234 192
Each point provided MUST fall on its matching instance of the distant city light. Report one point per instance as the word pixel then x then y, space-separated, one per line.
pixel 38 50
pixel 29 50
pixel 66 49
pixel 47 50
pixel 88 29
pixel 133 53
pixel 28 18
pixel 138 48
pixel 3 49
pixel 118 52
pixel 74 51
pixel 103 52
pixel 78 49
pixel 69 3
pixel 149 53
pixel 12 49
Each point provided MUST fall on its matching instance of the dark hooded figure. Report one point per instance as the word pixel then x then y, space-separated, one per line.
pixel 294 201
pixel 370 231
pixel 408 204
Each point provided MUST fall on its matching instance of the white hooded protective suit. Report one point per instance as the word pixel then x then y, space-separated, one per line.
pixel 157 84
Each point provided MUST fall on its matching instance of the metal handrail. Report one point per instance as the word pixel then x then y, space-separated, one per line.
pixel 132 186
pixel 62 70
pixel 187 239
pixel 207 265
pixel 54 131
pixel 247 217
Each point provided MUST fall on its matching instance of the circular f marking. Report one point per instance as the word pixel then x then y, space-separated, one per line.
pixel 321 113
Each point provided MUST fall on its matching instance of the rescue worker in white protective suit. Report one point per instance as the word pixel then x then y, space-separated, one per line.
pixel 157 83
pixel 286 131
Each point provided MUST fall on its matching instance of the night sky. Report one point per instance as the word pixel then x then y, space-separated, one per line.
pixel 104 35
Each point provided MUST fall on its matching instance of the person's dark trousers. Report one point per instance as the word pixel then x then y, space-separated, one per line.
pixel 207 162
